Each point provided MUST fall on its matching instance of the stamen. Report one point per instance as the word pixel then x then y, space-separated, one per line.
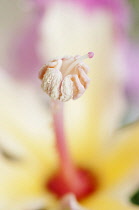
pixel 62 86
pixel 88 55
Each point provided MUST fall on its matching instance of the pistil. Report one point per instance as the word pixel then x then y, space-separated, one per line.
pixel 88 55
pixel 61 143
pixel 61 88
pixel 69 178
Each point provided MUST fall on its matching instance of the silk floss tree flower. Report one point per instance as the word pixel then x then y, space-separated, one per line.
pixel 103 172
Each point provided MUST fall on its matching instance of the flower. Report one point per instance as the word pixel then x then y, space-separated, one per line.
pixel 28 155
pixel 30 140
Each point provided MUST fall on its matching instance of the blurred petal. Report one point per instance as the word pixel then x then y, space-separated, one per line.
pixel 25 58
pixel 25 134
pixel 132 88
pixel 106 200
pixel 118 9
pixel 121 157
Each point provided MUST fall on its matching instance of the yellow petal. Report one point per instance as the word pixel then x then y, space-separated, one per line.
pixel 107 201
pixel 122 157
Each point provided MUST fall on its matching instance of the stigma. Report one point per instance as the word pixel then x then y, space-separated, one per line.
pixel 65 78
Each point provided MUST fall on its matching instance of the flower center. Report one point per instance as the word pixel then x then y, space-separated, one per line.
pixel 81 186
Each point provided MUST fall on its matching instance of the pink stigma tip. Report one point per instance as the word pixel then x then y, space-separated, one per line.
pixel 90 54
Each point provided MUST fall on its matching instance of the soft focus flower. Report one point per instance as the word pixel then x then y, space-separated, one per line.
pixel 28 141
pixel 23 57
pixel 27 149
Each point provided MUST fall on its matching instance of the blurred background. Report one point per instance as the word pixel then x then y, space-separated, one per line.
pixel 22 35
pixel 31 33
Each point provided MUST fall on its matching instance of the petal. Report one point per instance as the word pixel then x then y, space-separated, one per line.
pixel 121 158
pixel 105 200
pixel 26 133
